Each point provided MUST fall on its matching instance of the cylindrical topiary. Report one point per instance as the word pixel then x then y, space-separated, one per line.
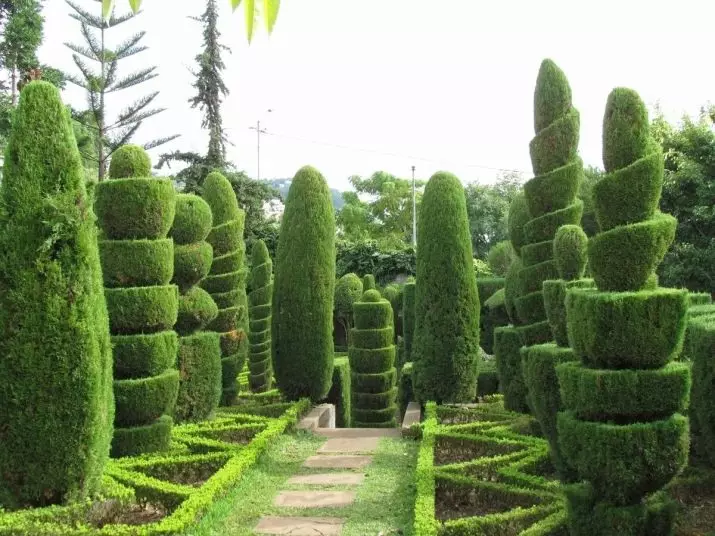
pixel 226 281
pixel 409 294
pixel 372 354
pixel 142 309
pixel 446 345
pixel 348 290
pixel 56 401
pixel 260 299
pixel 368 282
pixel 304 283
pixel 552 246
pixel 623 431
pixel 199 355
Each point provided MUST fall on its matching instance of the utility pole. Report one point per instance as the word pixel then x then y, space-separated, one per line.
pixel 414 211
pixel 258 130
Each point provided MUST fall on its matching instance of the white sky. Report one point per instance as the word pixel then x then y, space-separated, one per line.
pixel 447 81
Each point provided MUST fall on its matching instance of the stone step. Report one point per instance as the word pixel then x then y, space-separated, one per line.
pixel 353 445
pixel 328 479
pixel 314 499
pixel 300 526
pixel 338 462
pixel 357 432
pixel 413 415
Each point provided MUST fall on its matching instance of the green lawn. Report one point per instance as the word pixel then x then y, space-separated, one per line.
pixel 384 502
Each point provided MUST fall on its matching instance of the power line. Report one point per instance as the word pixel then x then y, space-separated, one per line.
pixel 397 155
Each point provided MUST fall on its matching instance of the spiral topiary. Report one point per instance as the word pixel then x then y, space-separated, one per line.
pixel 199 357
pixel 56 400
pixel 372 359
pixel 623 430
pixel 136 212
pixel 259 334
pixel 304 285
pixel 226 281
pixel 446 345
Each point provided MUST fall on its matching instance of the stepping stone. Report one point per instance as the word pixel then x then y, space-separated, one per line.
pixel 357 432
pixel 314 499
pixel 300 526
pixel 329 479
pixel 338 462
pixel 349 445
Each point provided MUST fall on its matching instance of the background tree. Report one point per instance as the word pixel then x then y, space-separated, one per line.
pixel 99 84
pixel 380 208
pixel 22 35
pixel 487 209
pixel 688 194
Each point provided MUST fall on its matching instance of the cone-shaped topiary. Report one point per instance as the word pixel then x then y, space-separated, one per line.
pixel 199 357
pixel 372 355
pixel 259 336
pixel 551 198
pixel 368 282
pixel 623 431
pixel 226 281
pixel 55 353
pixel 304 282
pixel 140 317
pixel 348 290
pixel 446 344
pixel 409 294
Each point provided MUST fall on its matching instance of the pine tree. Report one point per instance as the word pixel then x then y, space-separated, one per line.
pixel 22 35
pixel 100 84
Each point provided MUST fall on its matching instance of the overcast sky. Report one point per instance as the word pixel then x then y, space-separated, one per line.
pixel 363 85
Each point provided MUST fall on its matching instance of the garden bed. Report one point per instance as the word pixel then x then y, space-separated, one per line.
pixel 169 492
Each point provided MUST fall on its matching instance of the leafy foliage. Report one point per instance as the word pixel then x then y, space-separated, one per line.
pixel 500 257
pixel 368 257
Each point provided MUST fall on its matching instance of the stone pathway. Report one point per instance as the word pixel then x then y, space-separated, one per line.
pixel 345 452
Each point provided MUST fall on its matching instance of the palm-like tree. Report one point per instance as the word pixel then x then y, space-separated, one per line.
pixel 269 11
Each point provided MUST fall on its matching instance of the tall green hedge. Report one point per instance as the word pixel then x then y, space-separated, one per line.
pixel 486 288
pixel 550 250
pixel 259 312
pixel 199 357
pixel 409 294
pixel 226 281
pixel 141 318
pixel 446 340
pixel 56 402
pixel 702 411
pixel 348 290
pixel 372 355
pixel 623 430
pixel 304 282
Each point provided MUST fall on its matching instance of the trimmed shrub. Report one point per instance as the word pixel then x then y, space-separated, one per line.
pixel 500 257
pixel 622 429
pixel 140 208
pixel 488 379
pixel 200 369
pixel 513 289
pixel 486 288
pixel 518 216
pixel 136 263
pixel 702 410
pixel 570 249
pixel 192 263
pixel 196 310
pixel 507 344
pixel 372 353
pixel 348 290
pixel 405 393
pixel 492 316
pixel 340 393
pixel 409 294
pixel 56 364
pixel 446 344
pixel 193 220
pixel 228 275
pixel 129 161
pixel 555 305
pixel 304 281
pixel 260 299
pixel 368 282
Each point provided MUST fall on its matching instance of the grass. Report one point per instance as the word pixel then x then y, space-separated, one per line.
pixel 384 503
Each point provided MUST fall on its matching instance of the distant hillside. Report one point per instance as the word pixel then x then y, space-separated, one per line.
pixel 283 185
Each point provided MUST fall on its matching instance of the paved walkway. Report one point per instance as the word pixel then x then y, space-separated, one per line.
pixel 344 456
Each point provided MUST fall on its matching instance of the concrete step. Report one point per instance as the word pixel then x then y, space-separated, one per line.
pixel 347 433
pixel 314 499
pixel 338 462
pixel 328 479
pixel 300 526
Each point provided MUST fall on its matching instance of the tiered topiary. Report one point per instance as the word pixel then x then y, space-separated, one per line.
pixel 199 358
pixel 135 213
pixel 446 344
pixel 623 431
pixel 372 360
pixel 507 340
pixel 259 334
pixel 303 289
pixel 56 402
pixel 226 281
pixel 540 361
pixel 348 290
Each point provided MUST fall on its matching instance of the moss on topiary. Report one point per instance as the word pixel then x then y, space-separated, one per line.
pixel 56 365
pixel 259 299
pixel 622 430
pixel 133 207
pixel 305 281
pixel 227 279
pixel 129 161
pixel 446 345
